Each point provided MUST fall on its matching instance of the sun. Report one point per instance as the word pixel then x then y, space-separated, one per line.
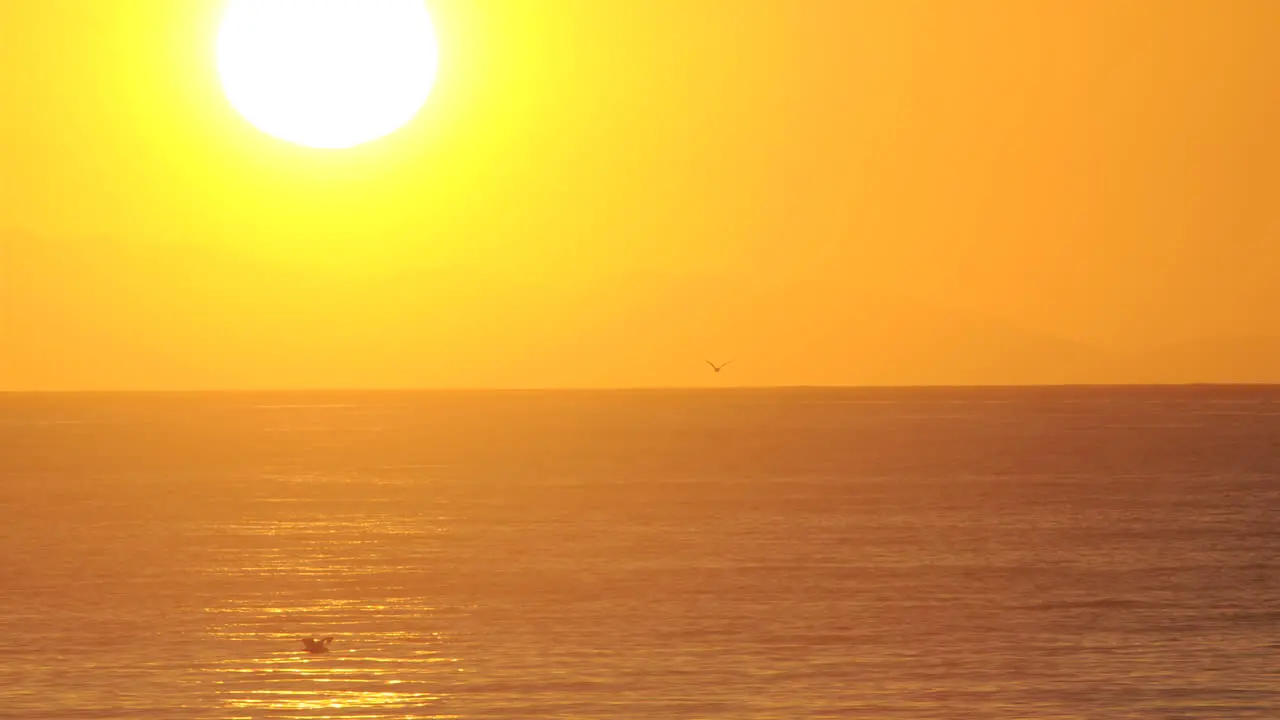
pixel 327 73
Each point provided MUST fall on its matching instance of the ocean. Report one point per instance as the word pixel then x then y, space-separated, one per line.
pixel 750 554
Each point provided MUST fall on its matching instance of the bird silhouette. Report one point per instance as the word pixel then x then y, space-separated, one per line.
pixel 716 367
pixel 312 645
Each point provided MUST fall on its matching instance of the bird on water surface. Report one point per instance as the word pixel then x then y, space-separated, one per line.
pixel 316 646
pixel 719 367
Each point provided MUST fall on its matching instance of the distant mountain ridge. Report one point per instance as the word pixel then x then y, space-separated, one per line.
pixel 123 314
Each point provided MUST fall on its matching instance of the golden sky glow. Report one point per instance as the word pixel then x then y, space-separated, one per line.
pixel 601 193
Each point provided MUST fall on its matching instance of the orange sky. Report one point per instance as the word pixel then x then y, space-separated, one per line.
pixel 605 193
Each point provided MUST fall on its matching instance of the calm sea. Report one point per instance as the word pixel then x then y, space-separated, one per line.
pixel 930 553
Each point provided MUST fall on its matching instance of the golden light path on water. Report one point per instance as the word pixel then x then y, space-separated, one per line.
pixel 316 576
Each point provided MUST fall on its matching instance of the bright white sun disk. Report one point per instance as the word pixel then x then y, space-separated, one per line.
pixel 327 73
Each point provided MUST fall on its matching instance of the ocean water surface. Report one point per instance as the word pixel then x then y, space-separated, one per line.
pixel 750 554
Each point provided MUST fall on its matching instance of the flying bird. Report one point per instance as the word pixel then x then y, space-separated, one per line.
pixel 716 367
pixel 316 646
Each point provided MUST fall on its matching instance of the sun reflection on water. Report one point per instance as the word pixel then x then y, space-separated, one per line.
pixel 328 576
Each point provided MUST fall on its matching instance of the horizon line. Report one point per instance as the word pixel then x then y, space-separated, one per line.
pixel 635 388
